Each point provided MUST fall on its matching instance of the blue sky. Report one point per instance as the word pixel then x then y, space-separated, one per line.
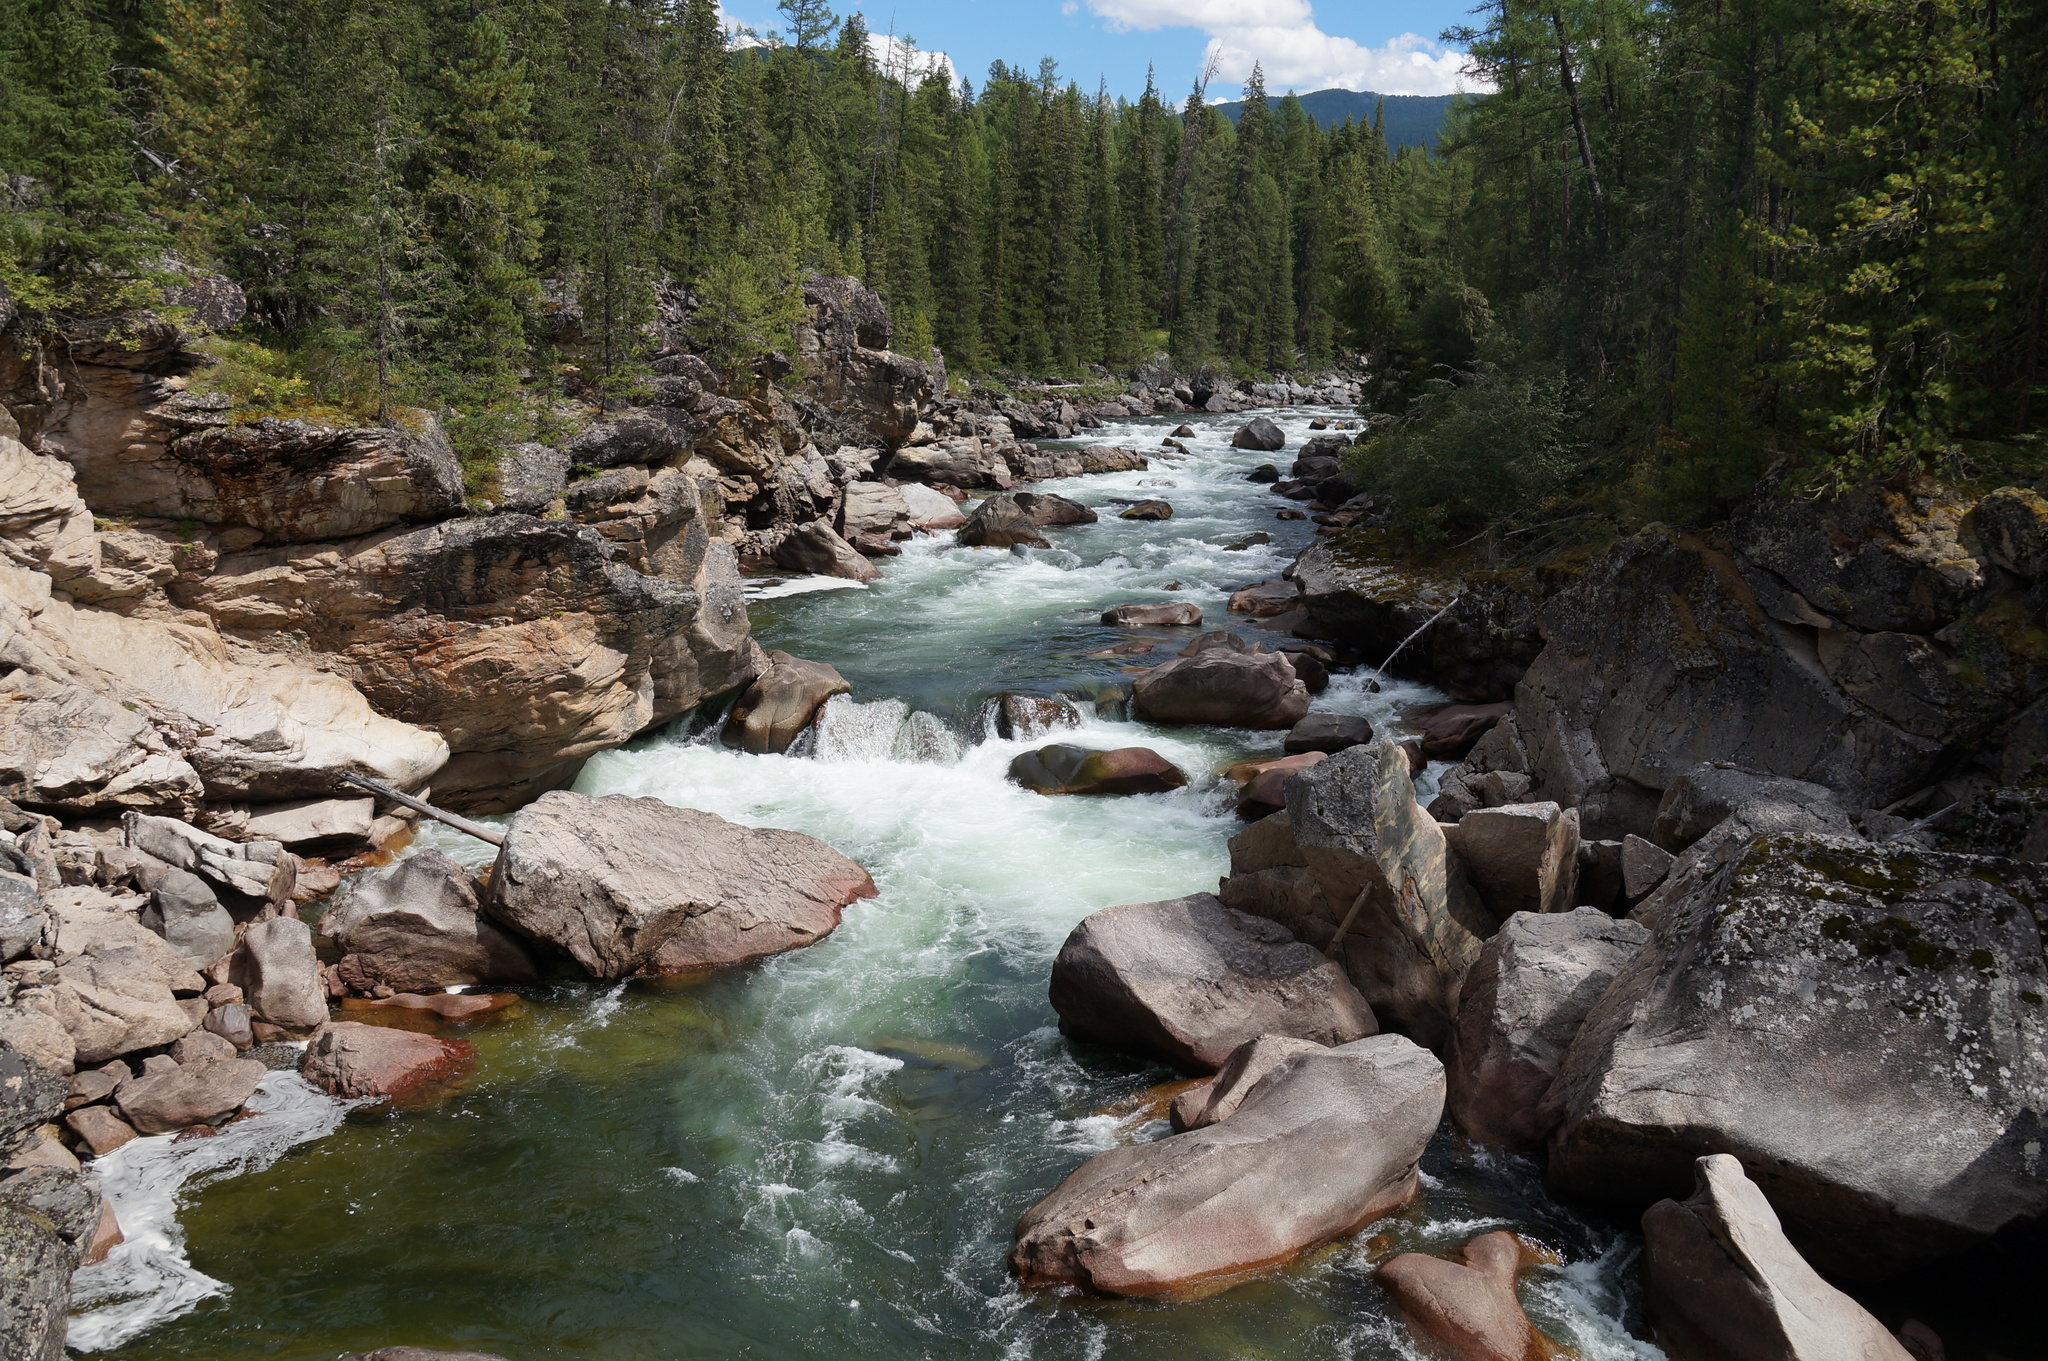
pixel 1384 45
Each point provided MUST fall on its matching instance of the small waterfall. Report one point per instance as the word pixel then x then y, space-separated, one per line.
pixel 925 737
pixel 849 731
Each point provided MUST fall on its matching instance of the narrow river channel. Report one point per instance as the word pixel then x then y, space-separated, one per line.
pixel 822 1157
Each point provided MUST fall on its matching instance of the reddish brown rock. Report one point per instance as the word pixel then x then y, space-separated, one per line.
pixel 430 1011
pixel 352 1060
pixel 781 703
pixel 102 1130
pixel 205 1092
pixel 1264 599
pixel 1261 782
pixel 1466 1309
pixel 1064 769
pixel 106 1236
pixel 1449 731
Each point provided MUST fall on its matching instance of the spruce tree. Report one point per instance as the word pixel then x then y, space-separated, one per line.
pixel 204 82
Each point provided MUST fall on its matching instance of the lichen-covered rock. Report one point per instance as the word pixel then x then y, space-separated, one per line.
pixel 1523 1003
pixel 30 1096
pixel 1860 1025
pixel 2012 523
pixel 35 1285
pixel 628 886
pixel 1190 980
pixel 843 343
pixel 1353 836
pixel 1328 1142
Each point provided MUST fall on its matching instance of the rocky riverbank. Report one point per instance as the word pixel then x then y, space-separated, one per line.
pixel 1728 906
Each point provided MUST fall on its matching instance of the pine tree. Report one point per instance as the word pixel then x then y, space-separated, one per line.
pixel 483 206
pixel 204 84
pixel 698 190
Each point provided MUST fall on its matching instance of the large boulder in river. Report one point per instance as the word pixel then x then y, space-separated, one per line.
pixel 277 970
pixel 373 1062
pixel 1224 687
pixel 1045 508
pixel 1171 613
pixel 1062 768
pixel 1000 522
pixel 627 886
pixel 1723 1281
pixel 781 703
pixel 1860 1025
pixel 1190 980
pixel 930 509
pixel 1355 866
pixel 1523 1003
pixel 414 926
pixel 816 548
pixel 1328 1142
pixel 1261 434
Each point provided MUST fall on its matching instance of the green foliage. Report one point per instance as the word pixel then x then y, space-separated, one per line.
pixel 1474 453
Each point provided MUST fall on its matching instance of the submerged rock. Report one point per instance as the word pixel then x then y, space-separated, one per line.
pixel 1065 769
pixel 355 1061
pixel 1466 1308
pixel 628 886
pixel 1190 980
pixel 1328 1142
pixel 1723 1281
pixel 1858 1024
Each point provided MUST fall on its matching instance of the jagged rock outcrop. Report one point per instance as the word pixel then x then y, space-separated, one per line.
pixel 1860 1025
pixel 1354 853
pixel 843 343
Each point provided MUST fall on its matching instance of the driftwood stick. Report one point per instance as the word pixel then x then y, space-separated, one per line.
pixel 459 823
pixel 1344 927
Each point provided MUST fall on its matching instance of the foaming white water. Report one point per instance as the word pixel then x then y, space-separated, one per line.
pixel 148 1278
pixel 776 590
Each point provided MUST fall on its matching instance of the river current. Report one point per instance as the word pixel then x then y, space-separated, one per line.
pixel 822 1156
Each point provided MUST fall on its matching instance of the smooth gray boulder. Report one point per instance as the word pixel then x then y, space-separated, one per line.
pixel 188 915
pixel 1523 1002
pixel 781 703
pixel 1259 434
pixel 1521 857
pixel 817 548
pixel 1723 1281
pixel 1000 522
pixel 1355 867
pixel 1327 1143
pixel 415 926
pixel 201 1093
pixel 1224 687
pixel 1859 1024
pixel 628 886
pixel 1190 980
pixel 1219 1097
pixel 279 974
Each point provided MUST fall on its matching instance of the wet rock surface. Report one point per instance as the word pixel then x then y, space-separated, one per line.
pixel 1064 769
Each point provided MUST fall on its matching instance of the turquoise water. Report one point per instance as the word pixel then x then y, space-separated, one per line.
pixel 823 1156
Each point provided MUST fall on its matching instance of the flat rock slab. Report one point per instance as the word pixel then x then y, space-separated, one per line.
pixel 1190 980
pixel 1724 1281
pixel 356 1061
pixel 630 886
pixel 1325 1144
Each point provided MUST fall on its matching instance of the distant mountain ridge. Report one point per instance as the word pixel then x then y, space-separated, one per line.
pixel 1412 120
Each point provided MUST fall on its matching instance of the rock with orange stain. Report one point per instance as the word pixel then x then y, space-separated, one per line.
pixel 1466 1309
pixel 352 1060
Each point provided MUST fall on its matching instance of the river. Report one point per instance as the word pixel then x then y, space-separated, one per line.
pixel 822 1157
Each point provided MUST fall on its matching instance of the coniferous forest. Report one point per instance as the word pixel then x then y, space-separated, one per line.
pixel 1676 242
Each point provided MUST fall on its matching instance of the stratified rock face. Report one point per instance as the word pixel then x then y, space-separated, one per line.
pixel 528 644
pixel 1226 688
pixel 1352 836
pixel 413 926
pixel 44 526
pixel 628 886
pixel 108 713
pixel 1860 1025
pixel 296 483
pixel 356 1061
pixel 1522 1005
pixel 1190 980
pixel 1324 1145
pixel 1723 1281
pixel 781 703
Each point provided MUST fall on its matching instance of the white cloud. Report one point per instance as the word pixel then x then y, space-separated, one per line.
pixel 905 60
pixel 1283 38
